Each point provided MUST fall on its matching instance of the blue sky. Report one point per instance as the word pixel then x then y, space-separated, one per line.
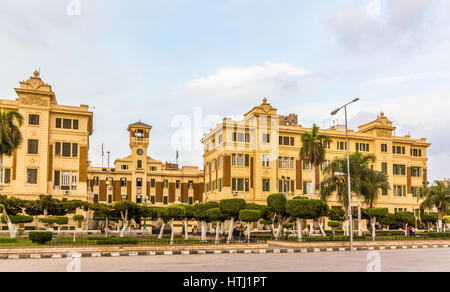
pixel 163 61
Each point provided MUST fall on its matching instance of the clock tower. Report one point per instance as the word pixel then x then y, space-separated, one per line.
pixel 139 141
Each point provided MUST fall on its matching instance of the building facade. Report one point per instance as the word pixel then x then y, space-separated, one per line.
pixel 144 180
pixel 259 155
pixel 53 156
pixel 247 159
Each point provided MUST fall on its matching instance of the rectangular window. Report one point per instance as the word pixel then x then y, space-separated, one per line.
pixel 384 168
pixel 240 137
pixel 247 185
pixel 265 160
pixel 33 119
pixel 32 176
pixel 280 186
pixel 307 187
pixel 266 138
pixel 280 140
pixel 74 180
pixel 384 191
pixel 57 148
pixel 123 182
pixel 95 198
pixel 95 181
pixel 65 180
pixel 7 175
pixel 139 182
pixel 66 149
pixel 220 185
pixel 139 164
pixel 152 199
pixel 247 138
pixel 247 160
pixel 33 146
pixel 306 165
pixel 177 184
pixel 67 123
pixel 292 141
pixel 56 179
pixel 383 147
pixel 58 123
pixel 152 183
pixel 191 184
pixel 416 171
pixel 75 150
pixel 75 124
pixel 109 199
pixel 165 200
pixel 399 169
pixel 286 141
pixel 266 185
pixel 166 183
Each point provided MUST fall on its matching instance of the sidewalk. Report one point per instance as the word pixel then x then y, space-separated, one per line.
pixel 269 247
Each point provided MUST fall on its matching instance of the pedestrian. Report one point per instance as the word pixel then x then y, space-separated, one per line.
pixel 408 230
pixel 412 231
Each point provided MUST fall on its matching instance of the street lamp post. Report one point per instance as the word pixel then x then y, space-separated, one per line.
pixel 348 169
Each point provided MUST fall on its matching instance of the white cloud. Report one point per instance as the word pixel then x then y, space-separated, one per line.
pixel 238 83
pixel 410 77
pixel 402 25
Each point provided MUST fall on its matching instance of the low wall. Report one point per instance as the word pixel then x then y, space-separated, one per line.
pixel 330 244
pixel 85 249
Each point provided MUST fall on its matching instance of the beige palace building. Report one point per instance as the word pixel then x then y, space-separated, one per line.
pixel 53 156
pixel 259 155
pixel 247 159
pixel 142 179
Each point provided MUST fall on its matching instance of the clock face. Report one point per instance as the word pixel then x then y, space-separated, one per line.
pixel 140 152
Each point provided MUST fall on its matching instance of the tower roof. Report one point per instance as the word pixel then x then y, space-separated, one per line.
pixel 139 124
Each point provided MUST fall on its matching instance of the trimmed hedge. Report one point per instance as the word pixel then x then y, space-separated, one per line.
pixel 41 237
pixel 7 240
pixel 117 240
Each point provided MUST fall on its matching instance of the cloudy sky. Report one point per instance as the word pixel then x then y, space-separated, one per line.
pixel 180 65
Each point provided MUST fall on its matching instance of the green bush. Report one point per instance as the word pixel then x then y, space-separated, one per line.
pixel 41 237
pixel 7 240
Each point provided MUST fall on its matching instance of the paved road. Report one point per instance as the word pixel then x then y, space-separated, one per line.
pixel 390 260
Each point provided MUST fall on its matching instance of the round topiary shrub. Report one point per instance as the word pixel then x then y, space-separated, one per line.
pixel 41 237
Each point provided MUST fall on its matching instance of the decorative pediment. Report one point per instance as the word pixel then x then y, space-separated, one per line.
pixel 264 109
pixel 34 91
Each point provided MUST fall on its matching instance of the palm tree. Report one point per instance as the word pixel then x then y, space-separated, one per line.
pixel 313 151
pixel 436 196
pixel 10 135
pixel 365 182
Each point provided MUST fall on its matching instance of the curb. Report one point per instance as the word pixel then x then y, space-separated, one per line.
pixel 197 252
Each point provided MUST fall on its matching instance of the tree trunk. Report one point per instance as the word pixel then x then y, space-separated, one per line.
pixel 186 234
pixel 106 227
pixel 299 229
pixel 204 226
pixel 125 222
pixel 172 232
pixel 273 230
pixel 311 227
pixel 406 229
pixel 279 229
pixel 359 217
pixel 346 227
pixel 217 231
pixel 230 230
pixel 249 227
pixel 321 222
pixel 373 222
pixel 439 221
pixel 87 222
pixel 161 231
pixel 11 227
